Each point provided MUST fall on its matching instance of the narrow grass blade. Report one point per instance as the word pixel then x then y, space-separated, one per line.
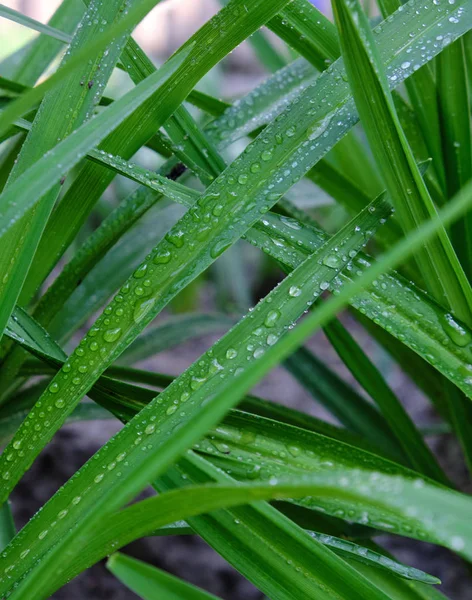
pixel 17 17
pixel 407 435
pixel 7 525
pixel 22 328
pixel 421 88
pixel 256 334
pixel 438 263
pixel 205 48
pixel 454 105
pixel 265 51
pixel 42 51
pixel 365 489
pixel 24 188
pixel 364 555
pixel 149 582
pixel 259 107
pixel 342 401
pixel 308 31
pixel 189 143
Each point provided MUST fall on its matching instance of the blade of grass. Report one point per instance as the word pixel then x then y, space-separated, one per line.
pixel 18 17
pixel 421 88
pixel 454 104
pixel 257 331
pixel 369 490
pixel 44 49
pixel 205 50
pixel 358 553
pixel 366 373
pixel 7 525
pixel 351 409
pixel 50 125
pixel 438 263
pixel 149 582
pixel 306 29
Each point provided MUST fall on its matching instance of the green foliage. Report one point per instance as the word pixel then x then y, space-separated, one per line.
pixel 291 501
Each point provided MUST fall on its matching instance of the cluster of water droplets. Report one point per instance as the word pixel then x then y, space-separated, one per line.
pixel 416 320
pixel 443 22
pixel 262 104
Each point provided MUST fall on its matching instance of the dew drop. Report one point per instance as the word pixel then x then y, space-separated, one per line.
pixel 272 318
pixel 163 257
pixel 111 335
pixel 219 248
pixel 332 261
pixel 140 271
pixel 141 309
pixel 176 238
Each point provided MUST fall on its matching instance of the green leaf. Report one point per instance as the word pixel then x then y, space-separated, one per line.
pixel 7 525
pixel 351 409
pixel 173 332
pixel 438 263
pixel 23 329
pixel 407 435
pixel 456 138
pixel 25 188
pixel 308 31
pixel 348 549
pixel 150 583
pixel 17 17
pixel 421 88
pixel 42 51
pixel 206 47
pixel 361 489
pixel 253 336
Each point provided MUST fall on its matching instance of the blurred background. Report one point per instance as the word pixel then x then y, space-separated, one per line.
pixel 222 290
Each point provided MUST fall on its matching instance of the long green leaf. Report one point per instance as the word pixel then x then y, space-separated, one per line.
pixel 350 408
pixel 438 263
pixel 49 128
pixel 17 17
pixel 439 338
pixel 251 338
pixel 410 439
pixel 400 499
pixel 456 137
pixel 150 582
